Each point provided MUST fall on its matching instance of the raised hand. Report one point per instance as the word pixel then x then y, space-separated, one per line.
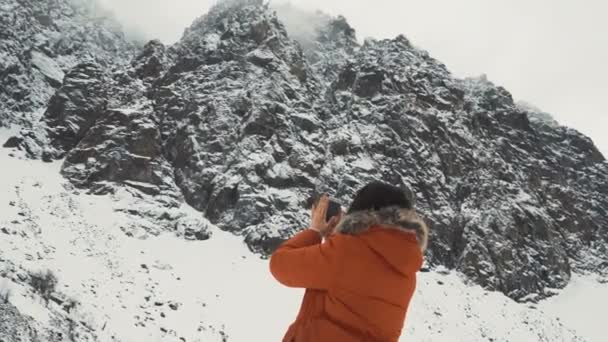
pixel 318 214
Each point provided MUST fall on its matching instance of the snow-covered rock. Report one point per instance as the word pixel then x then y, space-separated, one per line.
pixel 48 67
pixel 243 122
pixel 41 40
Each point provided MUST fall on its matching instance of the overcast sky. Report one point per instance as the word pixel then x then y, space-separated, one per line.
pixel 550 53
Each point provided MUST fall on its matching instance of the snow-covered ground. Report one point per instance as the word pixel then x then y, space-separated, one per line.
pixel 582 306
pixel 164 288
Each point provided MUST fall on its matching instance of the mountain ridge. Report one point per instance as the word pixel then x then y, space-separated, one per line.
pixel 242 123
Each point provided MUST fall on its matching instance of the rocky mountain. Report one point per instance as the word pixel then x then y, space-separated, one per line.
pixel 242 121
pixel 41 40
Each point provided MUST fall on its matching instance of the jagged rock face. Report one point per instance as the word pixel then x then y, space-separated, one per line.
pixel 488 180
pixel 40 41
pixel 124 147
pixel 76 106
pixel 152 62
pixel 243 123
pixel 236 111
pixel 328 43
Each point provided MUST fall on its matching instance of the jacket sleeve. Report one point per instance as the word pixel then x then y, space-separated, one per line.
pixel 304 262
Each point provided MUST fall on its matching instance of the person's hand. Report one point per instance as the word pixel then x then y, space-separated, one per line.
pixel 333 223
pixel 319 211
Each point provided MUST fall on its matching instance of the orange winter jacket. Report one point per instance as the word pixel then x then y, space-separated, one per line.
pixel 359 281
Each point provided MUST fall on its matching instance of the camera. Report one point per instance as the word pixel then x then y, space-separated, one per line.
pixel 333 208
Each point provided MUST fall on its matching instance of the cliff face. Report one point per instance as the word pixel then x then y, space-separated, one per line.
pixel 243 122
pixel 40 41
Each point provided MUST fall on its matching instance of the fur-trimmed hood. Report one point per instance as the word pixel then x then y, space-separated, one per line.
pixel 406 220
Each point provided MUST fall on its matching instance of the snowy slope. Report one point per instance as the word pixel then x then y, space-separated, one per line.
pixel 164 288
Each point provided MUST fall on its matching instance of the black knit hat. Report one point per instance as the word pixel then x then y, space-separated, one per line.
pixel 378 195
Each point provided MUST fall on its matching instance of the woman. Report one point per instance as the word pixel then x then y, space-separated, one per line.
pixel 360 280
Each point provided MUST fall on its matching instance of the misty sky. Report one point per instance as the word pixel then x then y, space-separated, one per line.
pixel 550 53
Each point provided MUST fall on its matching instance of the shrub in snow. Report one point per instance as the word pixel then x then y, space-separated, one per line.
pixel 70 304
pixel 5 294
pixel 44 283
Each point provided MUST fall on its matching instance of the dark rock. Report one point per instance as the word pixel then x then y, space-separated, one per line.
pixel 76 106
pixel 43 19
pixel 193 229
pixel 369 83
pixel 202 235
pixel 123 147
pixel 264 244
pixel 101 188
pixel 151 63
pixel 47 156
pixel 346 78
pixel 13 142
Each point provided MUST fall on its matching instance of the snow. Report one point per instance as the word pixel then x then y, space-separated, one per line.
pixel 210 289
pixel 212 41
pixel 281 170
pixel 523 197
pixel 582 306
pixel 365 163
pixel 262 55
pixel 101 267
pixel 128 111
pixel 447 309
